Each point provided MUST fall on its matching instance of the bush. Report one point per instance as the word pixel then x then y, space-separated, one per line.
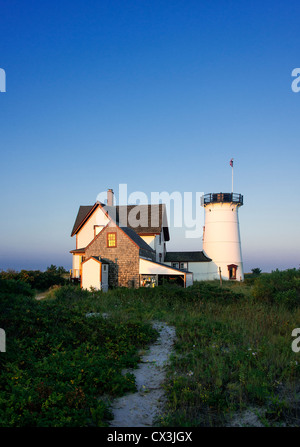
pixel 18 287
pixel 35 278
pixel 214 292
pixel 281 287
pixel 58 363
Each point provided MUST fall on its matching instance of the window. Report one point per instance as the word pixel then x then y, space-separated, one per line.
pixel 97 229
pixel 175 265
pixel 183 266
pixel 111 239
pixel 232 268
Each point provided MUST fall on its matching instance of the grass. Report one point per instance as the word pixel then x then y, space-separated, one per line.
pixel 232 352
pixel 61 368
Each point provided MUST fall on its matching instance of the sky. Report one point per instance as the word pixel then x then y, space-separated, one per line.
pixel 157 95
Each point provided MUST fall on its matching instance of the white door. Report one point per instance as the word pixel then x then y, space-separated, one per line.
pixel 104 285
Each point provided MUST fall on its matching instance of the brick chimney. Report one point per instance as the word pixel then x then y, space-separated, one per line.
pixel 110 197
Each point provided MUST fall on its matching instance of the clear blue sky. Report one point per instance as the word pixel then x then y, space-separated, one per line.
pixel 159 95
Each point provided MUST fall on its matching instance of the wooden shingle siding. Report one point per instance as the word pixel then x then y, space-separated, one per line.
pixel 123 259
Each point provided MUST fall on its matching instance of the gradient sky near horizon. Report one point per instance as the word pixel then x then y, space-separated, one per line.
pixel 157 95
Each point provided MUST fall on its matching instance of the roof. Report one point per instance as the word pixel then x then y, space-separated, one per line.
pixel 96 258
pixel 83 212
pixel 137 239
pixel 100 259
pixel 78 250
pixel 186 256
pixel 167 266
pixel 143 219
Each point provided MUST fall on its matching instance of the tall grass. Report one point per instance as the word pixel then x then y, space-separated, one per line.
pixel 232 349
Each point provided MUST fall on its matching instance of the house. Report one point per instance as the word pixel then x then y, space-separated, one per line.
pixel 126 245
pixel 196 262
pixel 129 240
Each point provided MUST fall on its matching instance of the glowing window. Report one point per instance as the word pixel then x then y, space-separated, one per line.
pixel 112 239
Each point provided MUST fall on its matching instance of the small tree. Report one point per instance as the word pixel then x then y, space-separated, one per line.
pixel 56 270
pixel 52 269
pixel 256 271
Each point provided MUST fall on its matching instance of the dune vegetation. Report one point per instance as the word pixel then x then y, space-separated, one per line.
pixel 65 353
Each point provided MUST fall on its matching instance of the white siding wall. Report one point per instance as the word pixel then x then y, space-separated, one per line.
pixel 86 234
pixel 202 271
pixel 153 241
pixel 150 240
pixel 76 261
pixel 159 247
pixel 91 274
pixel 189 279
pixel 151 268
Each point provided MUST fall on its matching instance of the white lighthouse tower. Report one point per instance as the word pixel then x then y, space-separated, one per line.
pixel 221 233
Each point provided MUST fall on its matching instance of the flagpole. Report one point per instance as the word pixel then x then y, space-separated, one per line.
pixel 231 164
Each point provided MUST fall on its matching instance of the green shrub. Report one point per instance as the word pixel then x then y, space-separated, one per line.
pixel 58 363
pixel 35 278
pixel 18 287
pixel 281 287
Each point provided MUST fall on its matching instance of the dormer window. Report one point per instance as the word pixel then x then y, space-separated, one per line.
pixel 111 240
pixel 97 229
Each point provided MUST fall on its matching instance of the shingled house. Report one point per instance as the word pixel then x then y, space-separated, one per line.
pixel 130 240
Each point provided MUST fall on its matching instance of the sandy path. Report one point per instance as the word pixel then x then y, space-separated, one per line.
pixel 40 296
pixel 140 409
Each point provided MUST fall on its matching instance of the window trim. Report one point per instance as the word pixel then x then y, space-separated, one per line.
pixel 107 239
pixel 233 269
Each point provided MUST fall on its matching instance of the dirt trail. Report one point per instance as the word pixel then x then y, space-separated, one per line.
pixel 40 296
pixel 140 409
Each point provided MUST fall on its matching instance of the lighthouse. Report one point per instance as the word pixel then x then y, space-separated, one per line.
pixel 221 234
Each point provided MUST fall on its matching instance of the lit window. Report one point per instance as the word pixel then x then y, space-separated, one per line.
pixel 112 239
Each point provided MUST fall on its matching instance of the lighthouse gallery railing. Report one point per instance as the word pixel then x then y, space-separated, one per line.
pixel 227 197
